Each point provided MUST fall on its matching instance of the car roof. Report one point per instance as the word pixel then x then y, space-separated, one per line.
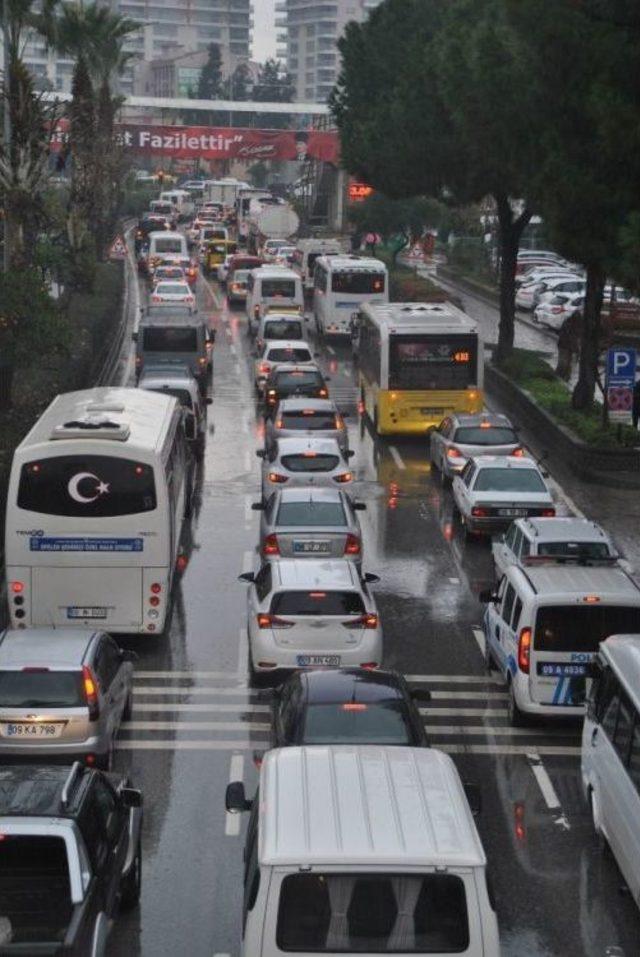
pixel 503 462
pixel 34 790
pixel 56 647
pixel 493 418
pixel 573 583
pixel 290 444
pixel 315 573
pixel 561 529
pixel 282 316
pixel 364 805
pixel 296 403
pixel 332 495
pixel 286 344
pixel 333 685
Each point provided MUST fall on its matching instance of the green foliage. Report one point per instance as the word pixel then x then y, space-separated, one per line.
pixel 210 80
pixel 29 318
pixel 273 86
pixel 410 217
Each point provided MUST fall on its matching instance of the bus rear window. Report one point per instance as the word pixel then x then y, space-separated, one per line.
pixel 41 689
pixel 167 244
pixel 433 362
pixel 169 339
pixel 278 289
pixel 358 283
pixel 582 628
pixel 86 486
pixel 283 329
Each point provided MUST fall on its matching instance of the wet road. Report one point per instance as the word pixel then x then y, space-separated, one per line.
pixel 196 723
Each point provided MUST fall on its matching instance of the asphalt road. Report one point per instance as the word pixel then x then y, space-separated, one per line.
pixel 196 724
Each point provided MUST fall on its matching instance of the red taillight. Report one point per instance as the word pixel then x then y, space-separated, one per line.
pixel 369 665
pixel 345 477
pixel 323 393
pixel 352 545
pixel 479 512
pixel 90 686
pixel 154 601
pixel 519 821
pixel 156 299
pixel 264 368
pixel 524 650
pixel 548 513
pixel 17 587
pixel 156 588
pixel 556 310
pixel 277 479
pixel 364 621
pixel 181 562
pixel 271 546
pixel 518 453
pixel 353 706
pixel 272 621
pixel 453 453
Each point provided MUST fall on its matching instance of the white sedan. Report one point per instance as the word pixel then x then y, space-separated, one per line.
pixel 223 269
pixel 304 463
pixel 552 311
pixel 310 614
pixel 178 292
pixel 529 295
pixel 492 491
pixel 273 351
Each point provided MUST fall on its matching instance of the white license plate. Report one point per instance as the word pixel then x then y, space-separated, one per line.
pixel 34 729
pixel 77 611
pixel 312 548
pixel 309 661
pixel 512 512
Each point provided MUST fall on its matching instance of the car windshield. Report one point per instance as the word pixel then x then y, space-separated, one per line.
pixel 491 435
pixel 311 515
pixel 317 603
pixel 41 689
pixel 509 480
pixel 298 379
pixel 384 722
pixel 283 329
pixel 288 355
pixel 310 462
pixel 308 419
pixel 593 550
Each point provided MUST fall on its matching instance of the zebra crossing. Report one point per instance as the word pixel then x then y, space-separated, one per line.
pixel 217 711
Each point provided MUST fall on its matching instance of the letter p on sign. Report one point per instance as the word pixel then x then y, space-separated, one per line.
pixel 621 367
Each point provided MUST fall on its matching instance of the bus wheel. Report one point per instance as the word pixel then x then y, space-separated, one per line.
pixel 517 718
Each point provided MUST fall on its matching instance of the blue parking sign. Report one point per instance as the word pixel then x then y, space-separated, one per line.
pixel 621 367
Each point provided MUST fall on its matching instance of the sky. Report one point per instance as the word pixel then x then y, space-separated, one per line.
pixel 264 31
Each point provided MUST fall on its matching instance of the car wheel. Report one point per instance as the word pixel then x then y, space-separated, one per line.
pixel 517 718
pixel 127 711
pixel 131 884
pixel 105 761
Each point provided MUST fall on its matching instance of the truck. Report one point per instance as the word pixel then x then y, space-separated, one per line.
pixel 71 858
pixel 223 191
pixel 278 221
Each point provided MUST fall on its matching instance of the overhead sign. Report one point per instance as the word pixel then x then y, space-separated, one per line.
pixel 620 381
pixel 118 249
pixel 359 192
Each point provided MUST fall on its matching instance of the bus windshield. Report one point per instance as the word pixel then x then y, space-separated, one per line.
pixel 86 486
pixel 582 628
pixel 433 362
pixel 358 282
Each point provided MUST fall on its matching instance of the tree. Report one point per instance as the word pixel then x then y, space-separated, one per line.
pixel 389 217
pixel 273 86
pixel 210 80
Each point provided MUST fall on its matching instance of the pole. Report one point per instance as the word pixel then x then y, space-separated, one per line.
pixel 7 121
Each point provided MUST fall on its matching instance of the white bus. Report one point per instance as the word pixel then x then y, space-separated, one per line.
pixel 341 284
pixel 97 495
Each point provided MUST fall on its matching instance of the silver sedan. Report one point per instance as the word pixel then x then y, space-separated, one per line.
pixel 461 437
pixel 310 523
pixel 307 418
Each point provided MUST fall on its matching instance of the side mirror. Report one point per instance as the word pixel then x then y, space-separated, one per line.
pixel 421 694
pixel 359 506
pixel 235 800
pixel 247 577
pixel 131 797
pixel 261 453
pixel 349 453
pixel 257 506
pixel 209 400
pixel 370 578
pixel 474 797
pixel 487 596
pixel 127 655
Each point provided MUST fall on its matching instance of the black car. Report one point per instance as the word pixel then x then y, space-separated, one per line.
pixel 287 379
pixel 149 223
pixel 347 706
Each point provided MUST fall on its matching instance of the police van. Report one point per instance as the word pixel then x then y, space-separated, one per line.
pixel 544 625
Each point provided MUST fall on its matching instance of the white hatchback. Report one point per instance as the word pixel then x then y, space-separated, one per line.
pixel 304 463
pixel 312 613
pixel 178 292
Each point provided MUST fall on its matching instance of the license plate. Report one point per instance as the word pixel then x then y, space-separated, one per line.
pixel 311 548
pixel 553 669
pixel 429 410
pixel 512 512
pixel 76 611
pixel 31 730
pixel 328 661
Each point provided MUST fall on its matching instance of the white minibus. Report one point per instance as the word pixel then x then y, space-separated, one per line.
pixel 97 495
pixel 307 251
pixel 611 752
pixel 341 284
pixel 182 200
pixel 272 288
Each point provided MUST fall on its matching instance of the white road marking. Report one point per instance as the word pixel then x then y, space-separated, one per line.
pixel 455 712
pixel 471 695
pixel 170 691
pixel 478 634
pixel 243 652
pixel 397 458
pixel 551 749
pixel 181 708
pixel 479 730
pixel 195 726
pixel 233 350
pixel 248 511
pixel 236 773
pixel 185 674
pixel 488 749
pixel 546 786
pixel 247 460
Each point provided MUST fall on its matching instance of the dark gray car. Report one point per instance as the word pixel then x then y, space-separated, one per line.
pixel 310 523
pixel 314 418
pixel 63 693
pixel 461 437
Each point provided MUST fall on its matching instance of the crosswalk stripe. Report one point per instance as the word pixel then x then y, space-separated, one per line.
pixel 132 744
pixel 181 706
pixel 172 690
pixel 194 726
pixel 544 749
pixel 482 730
pixel 470 695
pixel 232 676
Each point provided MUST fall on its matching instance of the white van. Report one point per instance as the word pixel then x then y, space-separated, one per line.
pixel 275 288
pixel 307 251
pixel 182 199
pixel 168 247
pixel 543 627
pixel 363 849
pixel 611 752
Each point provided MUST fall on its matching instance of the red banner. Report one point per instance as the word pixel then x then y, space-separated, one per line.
pixel 221 142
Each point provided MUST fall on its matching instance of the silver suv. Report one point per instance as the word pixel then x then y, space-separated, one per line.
pixel 63 692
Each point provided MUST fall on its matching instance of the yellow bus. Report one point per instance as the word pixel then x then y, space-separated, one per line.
pixel 418 361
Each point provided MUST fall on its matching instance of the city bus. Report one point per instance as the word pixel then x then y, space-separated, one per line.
pixel 341 284
pixel 418 361
pixel 97 496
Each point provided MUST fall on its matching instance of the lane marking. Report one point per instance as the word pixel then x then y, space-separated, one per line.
pixel 248 511
pixel 184 674
pixel 195 726
pixel 435 679
pixel 479 730
pixel 478 634
pixel 243 653
pixel 236 773
pixel 247 460
pixel 171 691
pixel 488 749
pixel 456 679
pixel 397 458
pixel 464 712
pixel 454 581
pixel 469 695
pixel 233 350
pixel 545 784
